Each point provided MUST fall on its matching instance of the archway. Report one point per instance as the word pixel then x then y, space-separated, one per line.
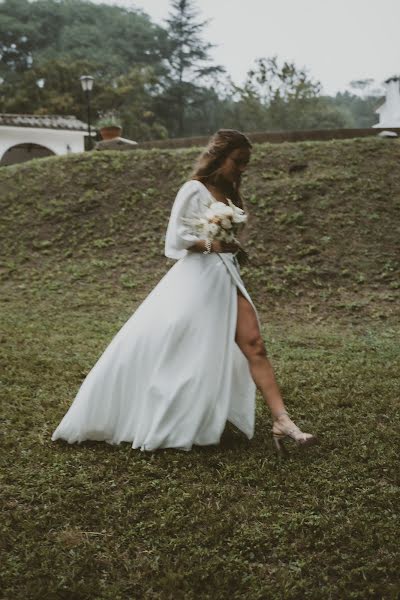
pixel 24 152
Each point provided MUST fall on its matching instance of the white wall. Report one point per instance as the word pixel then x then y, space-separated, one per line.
pixel 59 141
pixel 389 112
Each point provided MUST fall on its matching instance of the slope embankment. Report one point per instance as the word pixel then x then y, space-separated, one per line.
pixel 323 235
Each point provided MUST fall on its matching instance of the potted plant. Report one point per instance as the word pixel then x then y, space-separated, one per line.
pixel 109 126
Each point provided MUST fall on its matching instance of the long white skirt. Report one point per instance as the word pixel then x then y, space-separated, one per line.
pixel 173 374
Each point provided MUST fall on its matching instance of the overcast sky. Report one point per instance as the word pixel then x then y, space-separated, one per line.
pixel 336 40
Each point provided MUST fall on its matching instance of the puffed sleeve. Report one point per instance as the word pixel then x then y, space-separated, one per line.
pixel 179 236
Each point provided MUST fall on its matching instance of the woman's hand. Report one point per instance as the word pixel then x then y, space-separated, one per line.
pixel 243 257
pixel 234 247
pixel 219 246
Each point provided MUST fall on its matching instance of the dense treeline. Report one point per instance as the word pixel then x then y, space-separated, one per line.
pixel 161 81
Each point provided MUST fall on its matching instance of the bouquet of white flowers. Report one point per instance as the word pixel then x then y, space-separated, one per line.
pixel 219 222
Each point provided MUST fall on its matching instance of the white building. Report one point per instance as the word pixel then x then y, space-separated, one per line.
pixel 389 110
pixel 23 137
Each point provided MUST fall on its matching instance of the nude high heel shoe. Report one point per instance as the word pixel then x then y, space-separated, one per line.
pixel 284 427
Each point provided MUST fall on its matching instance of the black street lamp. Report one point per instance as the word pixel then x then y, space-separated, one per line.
pixel 40 83
pixel 87 85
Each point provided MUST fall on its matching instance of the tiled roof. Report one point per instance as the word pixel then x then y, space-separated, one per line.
pixel 46 121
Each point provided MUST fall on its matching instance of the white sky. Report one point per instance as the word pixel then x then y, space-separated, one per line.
pixel 336 40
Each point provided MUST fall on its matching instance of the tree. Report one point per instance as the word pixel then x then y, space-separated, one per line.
pixel 132 96
pixel 60 93
pixel 361 110
pixel 129 94
pixel 112 37
pixel 188 63
pixel 270 81
pixel 56 42
pixel 282 96
pixel 161 80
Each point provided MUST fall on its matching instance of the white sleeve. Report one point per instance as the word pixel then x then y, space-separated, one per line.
pixel 179 236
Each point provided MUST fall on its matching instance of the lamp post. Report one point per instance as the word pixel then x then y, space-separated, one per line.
pixel 87 85
pixel 40 83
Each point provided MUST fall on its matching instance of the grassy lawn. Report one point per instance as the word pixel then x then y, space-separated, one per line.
pixel 100 522
pixel 229 521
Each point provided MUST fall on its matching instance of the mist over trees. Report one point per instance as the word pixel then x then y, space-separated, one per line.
pixel 161 80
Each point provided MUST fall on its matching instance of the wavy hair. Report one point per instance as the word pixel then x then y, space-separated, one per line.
pixel 208 164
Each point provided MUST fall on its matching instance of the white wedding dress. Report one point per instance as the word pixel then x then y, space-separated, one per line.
pixel 173 374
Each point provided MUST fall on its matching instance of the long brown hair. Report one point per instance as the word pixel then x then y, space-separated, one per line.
pixel 207 167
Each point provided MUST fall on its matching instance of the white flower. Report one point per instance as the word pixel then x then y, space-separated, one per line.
pixel 212 229
pixel 226 223
pixel 219 221
pixel 221 209
pixel 239 216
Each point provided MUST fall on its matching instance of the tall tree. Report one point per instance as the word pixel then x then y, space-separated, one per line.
pixel 54 42
pixel 112 37
pixel 189 61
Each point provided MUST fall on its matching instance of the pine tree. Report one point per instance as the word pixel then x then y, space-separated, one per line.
pixel 189 60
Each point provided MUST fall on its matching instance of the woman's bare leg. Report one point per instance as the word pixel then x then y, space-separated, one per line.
pixel 248 338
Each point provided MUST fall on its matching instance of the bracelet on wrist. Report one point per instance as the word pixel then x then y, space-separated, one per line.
pixel 208 245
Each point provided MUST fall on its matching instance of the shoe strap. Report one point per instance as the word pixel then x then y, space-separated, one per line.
pixel 283 412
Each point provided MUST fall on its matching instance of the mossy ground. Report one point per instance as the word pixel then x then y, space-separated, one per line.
pixel 81 251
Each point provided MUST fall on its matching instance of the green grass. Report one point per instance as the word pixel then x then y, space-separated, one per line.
pixel 98 522
pixel 324 239
pixel 234 520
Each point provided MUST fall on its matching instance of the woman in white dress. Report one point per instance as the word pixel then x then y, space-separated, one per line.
pixel 191 356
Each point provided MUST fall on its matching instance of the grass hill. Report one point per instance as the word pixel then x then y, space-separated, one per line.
pixel 324 232
pixel 82 245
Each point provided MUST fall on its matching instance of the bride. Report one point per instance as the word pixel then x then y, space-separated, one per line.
pixel 191 356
